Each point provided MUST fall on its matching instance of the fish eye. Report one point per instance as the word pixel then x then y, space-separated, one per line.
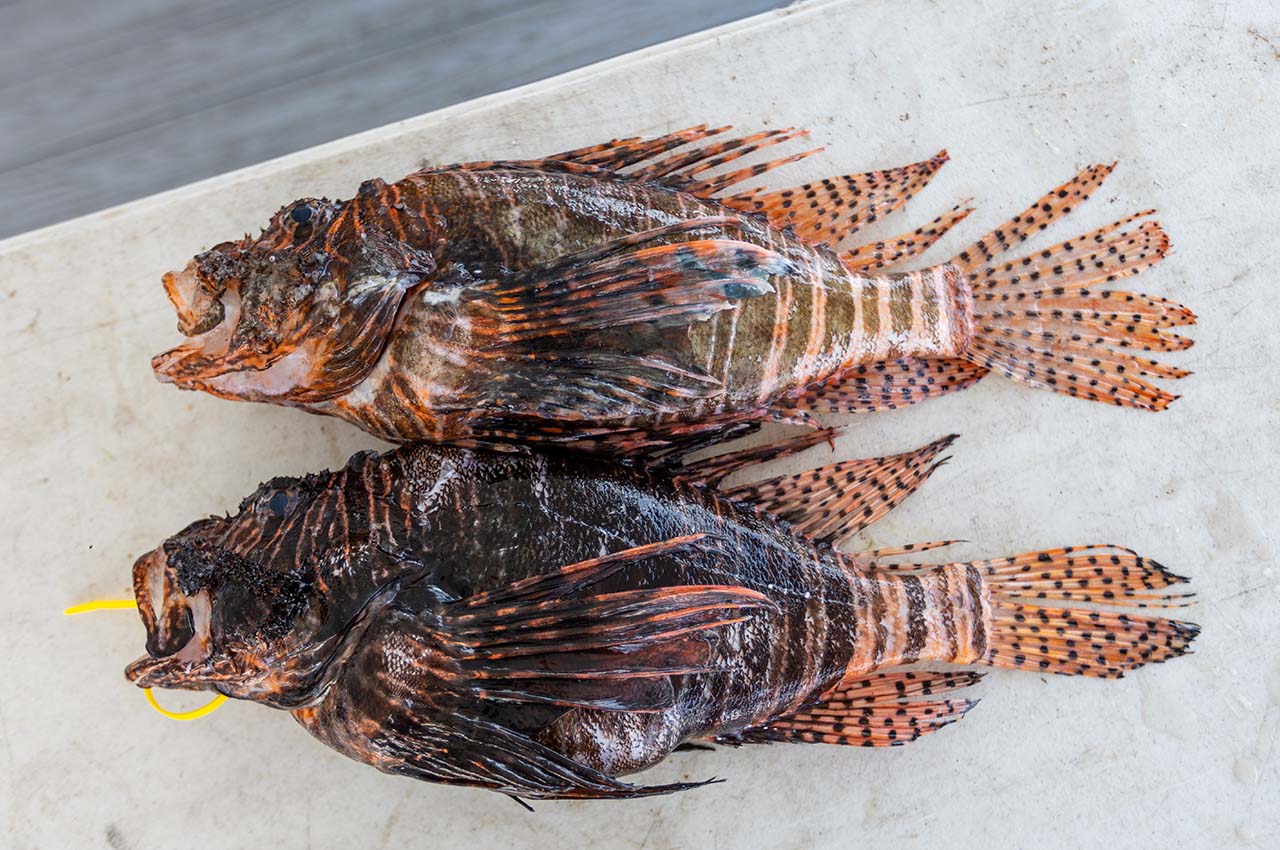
pixel 301 214
pixel 278 503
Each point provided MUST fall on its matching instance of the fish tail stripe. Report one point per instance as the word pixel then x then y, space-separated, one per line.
pixel 1005 606
pixel 816 343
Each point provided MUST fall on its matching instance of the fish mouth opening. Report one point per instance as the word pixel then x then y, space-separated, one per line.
pixel 179 637
pixel 208 320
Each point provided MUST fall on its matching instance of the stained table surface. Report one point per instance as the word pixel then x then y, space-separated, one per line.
pixel 100 462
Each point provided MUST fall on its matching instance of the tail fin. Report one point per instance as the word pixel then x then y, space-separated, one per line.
pixel 1051 319
pixel 1000 617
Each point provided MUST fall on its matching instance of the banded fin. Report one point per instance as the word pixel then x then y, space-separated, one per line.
pixel 826 211
pixel 836 501
pixel 889 252
pixel 681 170
pixel 875 711
pixel 1051 320
pixel 461 749
pixel 548 639
pixel 544 640
pixel 871 555
pixel 626 282
pixel 591 385
pixel 1024 634
pixel 886 386
pixel 709 472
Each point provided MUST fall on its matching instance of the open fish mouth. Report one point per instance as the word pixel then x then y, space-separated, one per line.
pixel 179 640
pixel 208 320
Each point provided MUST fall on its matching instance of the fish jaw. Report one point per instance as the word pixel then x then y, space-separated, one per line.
pixel 205 354
pixel 198 309
pixel 179 641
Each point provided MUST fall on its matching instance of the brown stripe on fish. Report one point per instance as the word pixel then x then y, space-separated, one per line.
pixel 933 316
pixel 917 628
pixel 901 303
pixel 392 202
pixel 870 318
pixel 778 339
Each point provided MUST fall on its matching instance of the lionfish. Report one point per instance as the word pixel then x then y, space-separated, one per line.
pixel 620 297
pixel 541 624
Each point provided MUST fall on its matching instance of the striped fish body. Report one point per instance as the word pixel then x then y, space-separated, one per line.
pixel 817 319
pixel 542 624
pixel 614 298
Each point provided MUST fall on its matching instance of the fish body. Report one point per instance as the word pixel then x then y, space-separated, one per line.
pixel 541 624
pixel 613 298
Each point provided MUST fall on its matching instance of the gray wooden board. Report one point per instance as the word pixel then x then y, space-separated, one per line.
pixel 103 102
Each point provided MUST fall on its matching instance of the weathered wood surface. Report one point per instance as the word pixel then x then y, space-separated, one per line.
pixel 103 102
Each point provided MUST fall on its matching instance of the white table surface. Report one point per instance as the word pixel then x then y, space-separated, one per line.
pixel 100 462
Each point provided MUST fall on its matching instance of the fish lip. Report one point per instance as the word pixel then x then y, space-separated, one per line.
pixel 197 304
pixel 206 354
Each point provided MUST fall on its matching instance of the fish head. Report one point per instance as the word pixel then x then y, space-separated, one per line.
pixel 260 605
pixel 302 312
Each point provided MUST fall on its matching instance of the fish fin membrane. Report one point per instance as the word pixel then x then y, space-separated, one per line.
pixel 833 502
pixel 1053 319
pixel 458 749
pixel 884 710
pixel 826 211
pixel 886 386
pixel 1028 632
pixel 649 161
pixel 549 639
pixel 888 253
pixel 591 385
pixel 627 281
pixel 709 472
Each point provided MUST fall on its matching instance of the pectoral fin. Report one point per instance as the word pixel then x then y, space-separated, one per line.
pixel 637 278
pixel 418 696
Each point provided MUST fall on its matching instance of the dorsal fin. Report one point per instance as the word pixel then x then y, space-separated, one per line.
pixel 680 170
pixel 825 211
pixel 833 502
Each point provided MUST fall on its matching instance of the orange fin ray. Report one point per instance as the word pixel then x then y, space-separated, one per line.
pixel 709 472
pixel 1047 320
pixel 890 252
pixel 826 211
pixel 872 711
pixel 835 501
pixel 886 386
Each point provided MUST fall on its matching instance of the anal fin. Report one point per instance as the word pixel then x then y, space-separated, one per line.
pixel 886 386
pixel 885 710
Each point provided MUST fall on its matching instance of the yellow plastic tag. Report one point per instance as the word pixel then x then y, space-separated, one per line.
pixel 129 605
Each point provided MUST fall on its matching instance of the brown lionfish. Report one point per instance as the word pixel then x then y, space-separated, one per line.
pixel 540 624
pixel 620 297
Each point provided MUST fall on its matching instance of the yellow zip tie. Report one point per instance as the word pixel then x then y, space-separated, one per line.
pixel 127 605
pixel 102 605
pixel 195 714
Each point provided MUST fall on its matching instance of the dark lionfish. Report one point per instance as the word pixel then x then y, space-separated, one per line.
pixel 619 297
pixel 541 624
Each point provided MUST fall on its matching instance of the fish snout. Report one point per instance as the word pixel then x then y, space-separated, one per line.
pixel 162 605
pixel 198 309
